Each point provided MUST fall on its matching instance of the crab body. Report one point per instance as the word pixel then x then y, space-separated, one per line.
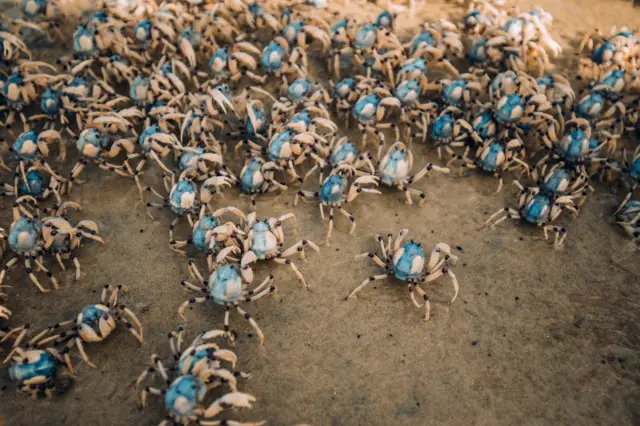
pixel 536 211
pixel 365 37
pixel 345 153
pixel 50 104
pixel 509 109
pixel 183 396
pixel 280 146
pixel 35 185
pixel 226 285
pixel 333 190
pixel 485 125
pixel 365 109
pixel 556 183
pixel 442 128
pixel 25 147
pixel 36 365
pixel 139 92
pixel 299 89
pixel 408 92
pixel 273 57
pixel 408 262
pixel 492 157
pixel 183 197
pixel 91 143
pixel 84 41
pixel 24 235
pixel 590 106
pixel 574 146
pixel 200 230
pixel 264 243
pixel 394 168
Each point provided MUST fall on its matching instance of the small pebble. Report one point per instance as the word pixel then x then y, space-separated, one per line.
pixel 358 336
pixel 459 248
pixel 517 298
pixel 337 249
pixel 486 294
pixel 475 342
pixel 418 403
pixel 604 361
pixel 142 231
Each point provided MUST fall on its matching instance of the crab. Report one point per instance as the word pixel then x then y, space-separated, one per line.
pixel 12 47
pixel 264 239
pixel 184 395
pixel 628 217
pixel 19 90
pixel 227 286
pixel 343 151
pixel 288 148
pixel 496 157
pixel 31 150
pixel 394 169
pixel 450 130
pixel 25 239
pixel 210 235
pixel 201 362
pixel 539 209
pixel 277 59
pixel 406 262
pixel 335 191
pixel 232 64
pixel 258 177
pixel 360 42
pixel 632 169
pixel 36 371
pixel 93 324
pixel 461 92
pixel 94 147
pixel 62 238
pixel 184 197
pixel 36 186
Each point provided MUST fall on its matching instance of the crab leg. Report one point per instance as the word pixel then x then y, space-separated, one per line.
pixel 293 267
pixel 253 323
pixel 365 282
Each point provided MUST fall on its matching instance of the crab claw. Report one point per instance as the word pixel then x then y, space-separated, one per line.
pixel 233 399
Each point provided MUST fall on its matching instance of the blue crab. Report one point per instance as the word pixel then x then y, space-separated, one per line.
pixel 36 370
pixel 93 146
pixel 227 286
pixel 450 130
pixel 258 177
pixel 25 239
pixel 31 150
pixel 394 169
pixel 235 63
pixel 186 199
pixel 198 369
pixel 632 175
pixel 209 234
pixel 94 324
pixel 62 237
pixel 495 156
pixel 407 262
pixel 628 217
pixel 538 209
pixel 336 190
pixel 277 59
pixel 264 240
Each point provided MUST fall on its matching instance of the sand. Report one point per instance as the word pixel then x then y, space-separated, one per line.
pixel 537 336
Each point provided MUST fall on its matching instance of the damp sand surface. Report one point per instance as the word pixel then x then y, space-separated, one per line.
pixel 536 336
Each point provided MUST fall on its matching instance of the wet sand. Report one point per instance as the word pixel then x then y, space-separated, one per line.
pixel 537 336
